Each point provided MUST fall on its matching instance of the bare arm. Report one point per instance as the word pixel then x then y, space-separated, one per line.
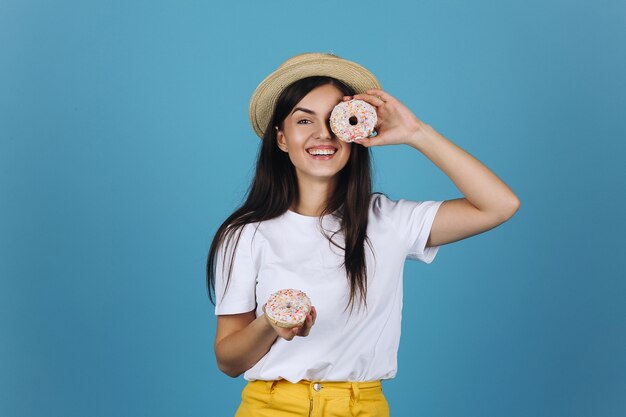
pixel 487 201
pixel 241 340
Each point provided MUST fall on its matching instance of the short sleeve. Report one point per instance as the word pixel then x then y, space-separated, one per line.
pixel 413 221
pixel 240 296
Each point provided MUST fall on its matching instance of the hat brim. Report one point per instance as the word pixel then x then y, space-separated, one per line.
pixel 263 100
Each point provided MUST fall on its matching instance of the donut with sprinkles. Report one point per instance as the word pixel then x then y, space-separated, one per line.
pixel 287 308
pixel 354 119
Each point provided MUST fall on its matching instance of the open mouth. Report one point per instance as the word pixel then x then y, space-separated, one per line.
pixel 325 151
pixel 319 152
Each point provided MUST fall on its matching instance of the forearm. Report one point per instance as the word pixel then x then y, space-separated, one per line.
pixel 481 187
pixel 239 351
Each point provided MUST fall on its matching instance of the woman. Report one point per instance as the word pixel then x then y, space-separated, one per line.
pixel 311 222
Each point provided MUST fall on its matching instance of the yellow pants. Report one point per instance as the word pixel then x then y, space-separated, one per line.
pixel 313 399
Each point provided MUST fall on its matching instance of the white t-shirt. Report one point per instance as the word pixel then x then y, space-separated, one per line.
pixel 291 252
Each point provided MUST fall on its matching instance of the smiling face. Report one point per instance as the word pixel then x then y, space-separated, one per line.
pixel 313 148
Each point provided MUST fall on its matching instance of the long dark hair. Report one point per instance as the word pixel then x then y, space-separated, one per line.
pixel 275 188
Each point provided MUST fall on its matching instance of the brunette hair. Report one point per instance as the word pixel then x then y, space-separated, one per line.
pixel 275 188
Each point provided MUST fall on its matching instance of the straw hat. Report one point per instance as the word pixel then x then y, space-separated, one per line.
pixel 264 98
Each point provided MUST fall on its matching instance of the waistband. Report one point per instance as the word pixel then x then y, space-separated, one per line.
pixel 311 389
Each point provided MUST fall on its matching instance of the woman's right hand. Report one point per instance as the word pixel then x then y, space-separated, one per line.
pixel 301 330
pixel 241 340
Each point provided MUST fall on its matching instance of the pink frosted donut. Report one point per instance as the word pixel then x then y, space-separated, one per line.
pixel 287 308
pixel 354 119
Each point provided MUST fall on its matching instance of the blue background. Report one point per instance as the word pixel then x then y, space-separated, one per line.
pixel 124 142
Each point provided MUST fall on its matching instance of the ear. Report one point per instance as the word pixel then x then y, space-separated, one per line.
pixel 280 140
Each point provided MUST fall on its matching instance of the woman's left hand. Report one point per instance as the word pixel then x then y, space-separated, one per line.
pixel 396 123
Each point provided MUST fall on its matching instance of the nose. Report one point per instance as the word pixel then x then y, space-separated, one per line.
pixel 324 131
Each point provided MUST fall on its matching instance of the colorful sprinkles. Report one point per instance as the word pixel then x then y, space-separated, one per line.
pixel 287 308
pixel 352 120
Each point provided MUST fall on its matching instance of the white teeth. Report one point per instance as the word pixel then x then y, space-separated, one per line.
pixel 322 151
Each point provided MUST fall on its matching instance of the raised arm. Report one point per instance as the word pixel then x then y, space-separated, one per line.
pixel 487 201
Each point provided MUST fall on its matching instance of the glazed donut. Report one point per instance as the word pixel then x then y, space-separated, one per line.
pixel 354 119
pixel 287 308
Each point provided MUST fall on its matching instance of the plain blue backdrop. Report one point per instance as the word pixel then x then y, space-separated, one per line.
pixel 125 142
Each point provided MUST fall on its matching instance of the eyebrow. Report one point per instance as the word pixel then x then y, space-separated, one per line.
pixel 304 110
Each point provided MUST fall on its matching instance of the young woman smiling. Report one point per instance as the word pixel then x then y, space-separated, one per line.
pixel 311 222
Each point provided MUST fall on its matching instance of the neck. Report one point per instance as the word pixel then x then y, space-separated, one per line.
pixel 313 196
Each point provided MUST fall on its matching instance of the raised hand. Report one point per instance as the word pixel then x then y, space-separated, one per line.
pixel 396 123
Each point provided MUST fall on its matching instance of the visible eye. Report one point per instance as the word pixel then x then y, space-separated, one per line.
pixel 304 121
